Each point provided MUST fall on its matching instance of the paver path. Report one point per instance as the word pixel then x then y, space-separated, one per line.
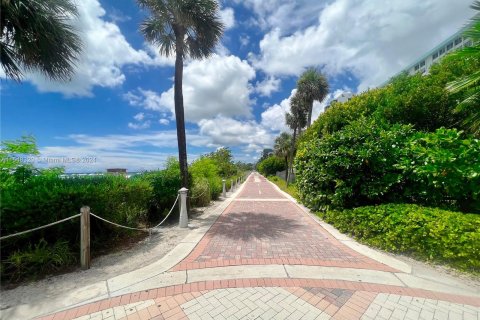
pixel 312 274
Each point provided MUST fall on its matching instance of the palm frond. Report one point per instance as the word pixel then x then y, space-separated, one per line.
pixel 464 83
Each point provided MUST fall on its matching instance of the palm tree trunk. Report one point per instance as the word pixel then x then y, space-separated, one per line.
pixel 310 110
pixel 179 111
pixel 286 169
pixel 292 150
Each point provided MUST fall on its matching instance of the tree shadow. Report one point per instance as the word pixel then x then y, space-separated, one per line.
pixel 247 225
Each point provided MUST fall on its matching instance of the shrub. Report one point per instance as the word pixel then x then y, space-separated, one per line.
pixel 48 198
pixel 271 165
pixel 352 167
pixel 443 168
pixel 428 233
pixel 165 185
pixel 206 169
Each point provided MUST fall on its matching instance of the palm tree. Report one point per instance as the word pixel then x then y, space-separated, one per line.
pixel 471 83
pixel 312 86
pixel 36 36
pixel 282 149
pixel 296 120
pixel 186 28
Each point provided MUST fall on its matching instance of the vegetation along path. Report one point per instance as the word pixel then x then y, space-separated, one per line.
pixel 265 257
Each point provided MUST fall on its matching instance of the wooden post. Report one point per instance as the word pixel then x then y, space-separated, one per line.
pixel 85 237
pixel 224 190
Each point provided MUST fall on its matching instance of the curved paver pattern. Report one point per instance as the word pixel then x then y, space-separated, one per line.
pixel 263 227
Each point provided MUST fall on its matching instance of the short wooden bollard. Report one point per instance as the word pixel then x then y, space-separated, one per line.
pixel 85 237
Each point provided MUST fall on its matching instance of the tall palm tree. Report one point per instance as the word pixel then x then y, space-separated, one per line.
pixel 471 83
pixel 36 36
pixel 184 28
pixel 296 120
pixel 282 149
pixel 312 86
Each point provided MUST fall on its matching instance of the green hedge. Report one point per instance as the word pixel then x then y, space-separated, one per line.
pixel 428 233
pixel 271 165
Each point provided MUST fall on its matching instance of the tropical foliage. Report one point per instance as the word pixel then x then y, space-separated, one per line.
pixel 271 165
pixel 184 28
pixel 426 233
pixel 37 36
pixel 312 86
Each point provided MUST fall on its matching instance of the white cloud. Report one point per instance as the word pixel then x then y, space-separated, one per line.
pixel 372 39
pixel 273 117
pixel 228 17
pixel 139 125
pixel 286 15
pixel 139 116
pixel 164 121
pixel 244 40
pixel 268 86
pixel 216 86
pixel 105 52
pixel 225 131
pixel 147 99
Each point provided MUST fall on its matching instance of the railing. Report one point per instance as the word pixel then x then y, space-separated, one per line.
pixel 85 214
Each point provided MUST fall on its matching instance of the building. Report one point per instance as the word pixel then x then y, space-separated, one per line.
pixel 424 63
pixel 344 97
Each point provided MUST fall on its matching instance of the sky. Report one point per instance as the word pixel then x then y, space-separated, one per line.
pixel 117 111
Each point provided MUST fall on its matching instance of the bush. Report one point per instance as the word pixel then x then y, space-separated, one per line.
pixel 443 169
pixel 352 167
pixel 165 185
pixel 48 198
pixel 271 165
pixel 428 233
pixel 206 170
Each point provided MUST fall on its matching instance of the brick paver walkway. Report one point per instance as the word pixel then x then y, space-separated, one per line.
pixel 263 227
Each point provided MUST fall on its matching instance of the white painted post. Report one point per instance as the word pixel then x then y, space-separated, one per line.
pixel 183 223
pixel 224 190
pixel 85 237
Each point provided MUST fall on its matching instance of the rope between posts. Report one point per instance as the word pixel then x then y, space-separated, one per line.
pixel 158 225
pixel 204 191
pixel 38 228
pixel 118 225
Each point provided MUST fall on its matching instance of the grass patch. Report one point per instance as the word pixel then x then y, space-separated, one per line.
pixel 282 184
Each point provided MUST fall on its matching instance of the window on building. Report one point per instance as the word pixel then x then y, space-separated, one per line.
pixel 417 67
pixel 435 56
pixel 468 43
pixel 458 41
pixel 450 46
pixel 422 64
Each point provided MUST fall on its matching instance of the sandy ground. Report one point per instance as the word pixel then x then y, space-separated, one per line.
pixel 105 267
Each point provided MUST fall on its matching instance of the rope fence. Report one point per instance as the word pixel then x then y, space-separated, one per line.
pixel 85 222
pixel 38 228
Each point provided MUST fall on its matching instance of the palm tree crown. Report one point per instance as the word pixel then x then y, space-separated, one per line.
pixel 312 86
pixel 36 36
pixel 471 83
pixel 282 149
pixel 195 21
pixel 186 28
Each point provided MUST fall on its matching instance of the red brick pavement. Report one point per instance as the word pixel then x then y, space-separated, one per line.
pixel 338 297
pixel 257 232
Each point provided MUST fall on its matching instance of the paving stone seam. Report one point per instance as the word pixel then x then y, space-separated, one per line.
pixel 202 286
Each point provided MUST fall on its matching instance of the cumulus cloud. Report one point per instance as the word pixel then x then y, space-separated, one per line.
pixel 105 52
pixel 225 131
pixel 147 99
pixel 139 125
pixel 376 41
pixel 216 86
pixel 164 121
pixel 267 86
pixel 228 17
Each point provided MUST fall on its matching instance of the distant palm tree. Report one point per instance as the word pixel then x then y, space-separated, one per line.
pixel 312 86
pixel 282 149
pixel 296 120
pixel 36 36
pixel 186 28
pixel 470 83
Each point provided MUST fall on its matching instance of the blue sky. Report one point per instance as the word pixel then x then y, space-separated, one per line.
pixel 118 106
